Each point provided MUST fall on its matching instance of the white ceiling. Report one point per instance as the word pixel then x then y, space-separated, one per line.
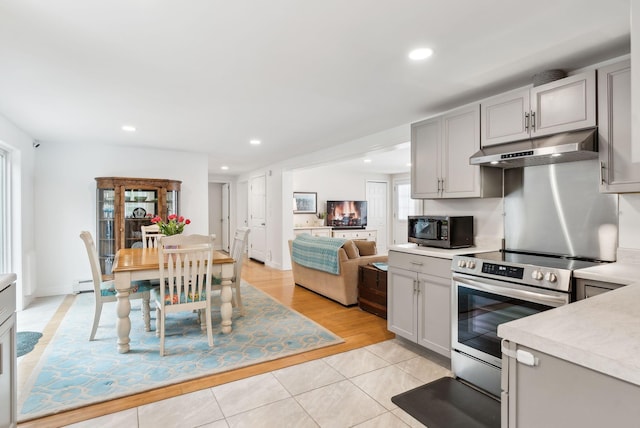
pixel 209 75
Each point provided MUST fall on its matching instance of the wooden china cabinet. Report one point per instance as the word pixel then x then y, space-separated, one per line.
pixel 123 205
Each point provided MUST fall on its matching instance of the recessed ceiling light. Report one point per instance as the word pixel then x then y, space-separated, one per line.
pixel 367 161
pixel 255 142
pixel 224 167
pixel 419 54
pixel 129 128
pixel 494 162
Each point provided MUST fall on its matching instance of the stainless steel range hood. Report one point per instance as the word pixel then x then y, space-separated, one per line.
pixel 557 148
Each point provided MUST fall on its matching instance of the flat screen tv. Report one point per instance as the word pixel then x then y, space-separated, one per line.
pixel 347 214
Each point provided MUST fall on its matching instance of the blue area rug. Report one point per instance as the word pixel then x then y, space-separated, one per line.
pixel 74 372
pixel 26 341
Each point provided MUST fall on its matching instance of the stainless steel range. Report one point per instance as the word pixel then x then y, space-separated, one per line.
pixel 493 288
pixel 555 221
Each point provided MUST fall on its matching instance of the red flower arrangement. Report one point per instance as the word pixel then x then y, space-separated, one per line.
pixel 173 226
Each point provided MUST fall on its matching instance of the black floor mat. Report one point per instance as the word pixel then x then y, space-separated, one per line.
pixel 449 403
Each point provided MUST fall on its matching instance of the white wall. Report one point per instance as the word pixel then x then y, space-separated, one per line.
pixel 65 195
pixel 331 183
pixel 23 212
pixel 487 213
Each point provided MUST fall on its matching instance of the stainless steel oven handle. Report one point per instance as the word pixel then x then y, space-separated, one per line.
pixel 529 296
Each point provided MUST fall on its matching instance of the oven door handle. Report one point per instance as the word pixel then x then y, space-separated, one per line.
pixel 529 296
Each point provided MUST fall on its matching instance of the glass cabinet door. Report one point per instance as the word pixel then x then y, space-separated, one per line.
pixel 140 206
pixel 106 238
pixel 172 202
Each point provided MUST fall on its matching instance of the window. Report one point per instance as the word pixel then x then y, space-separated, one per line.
pixel 406 205
pixel 403 207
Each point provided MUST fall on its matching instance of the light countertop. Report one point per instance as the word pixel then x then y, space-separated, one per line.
pixel 617 273
pixel 625 271
pixel 482 246
pixel 6 279
pixel 601 333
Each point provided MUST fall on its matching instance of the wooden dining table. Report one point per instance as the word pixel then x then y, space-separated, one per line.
pixel 133 264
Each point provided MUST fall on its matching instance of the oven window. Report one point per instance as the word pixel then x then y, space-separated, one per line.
pixel 480 313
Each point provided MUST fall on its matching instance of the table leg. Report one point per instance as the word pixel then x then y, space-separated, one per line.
pixel 226 294
pixel 123 309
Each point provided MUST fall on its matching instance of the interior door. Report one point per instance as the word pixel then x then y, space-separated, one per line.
pixel 258 218
pixel 215 212
pixel 225 217
pixel 377 212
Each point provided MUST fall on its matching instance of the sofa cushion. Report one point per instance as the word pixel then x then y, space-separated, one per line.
pixel 351 250
pixel 366 248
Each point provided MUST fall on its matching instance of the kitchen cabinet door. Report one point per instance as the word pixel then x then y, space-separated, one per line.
pixel 559 393
pixel 460 140
pixel 434 323
pixel 8 373
pixel 419 300
pixel 619 172
pixel 401 303
pixel 440 152
pixel 564 105
pixel 503 117
pixel 425 159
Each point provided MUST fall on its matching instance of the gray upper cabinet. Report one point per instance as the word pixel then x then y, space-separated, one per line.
pixel 425 159
pixel 440 152
pixel 563 105
pixel 503 117
pixel 620 172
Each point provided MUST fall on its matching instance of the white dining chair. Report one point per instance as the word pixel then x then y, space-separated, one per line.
pixel 105 291
pixel 150 235
pixel 187 280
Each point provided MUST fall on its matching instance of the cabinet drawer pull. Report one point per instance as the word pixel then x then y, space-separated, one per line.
pixel 526 122
pixel 602 173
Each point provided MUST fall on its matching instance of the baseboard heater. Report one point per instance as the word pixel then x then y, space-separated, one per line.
pixel 82 286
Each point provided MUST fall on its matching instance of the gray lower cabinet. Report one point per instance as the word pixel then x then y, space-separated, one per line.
pixel 8 371
pixel 588 288
pixel 619 169
pixel 419 300
pixel 558 393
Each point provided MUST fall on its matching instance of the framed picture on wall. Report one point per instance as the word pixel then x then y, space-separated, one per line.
pixel 305 202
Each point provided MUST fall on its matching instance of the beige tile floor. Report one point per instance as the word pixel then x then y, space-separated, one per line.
pixel 352 389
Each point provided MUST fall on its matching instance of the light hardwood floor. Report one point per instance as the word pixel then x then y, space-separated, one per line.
pixel 356 327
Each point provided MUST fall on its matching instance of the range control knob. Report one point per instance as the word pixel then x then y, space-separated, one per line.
pixel 471 264
pixel 462 263
pixel 551 277
pixel 537 275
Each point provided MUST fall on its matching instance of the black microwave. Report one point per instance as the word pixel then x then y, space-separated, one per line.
pixel 441 231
